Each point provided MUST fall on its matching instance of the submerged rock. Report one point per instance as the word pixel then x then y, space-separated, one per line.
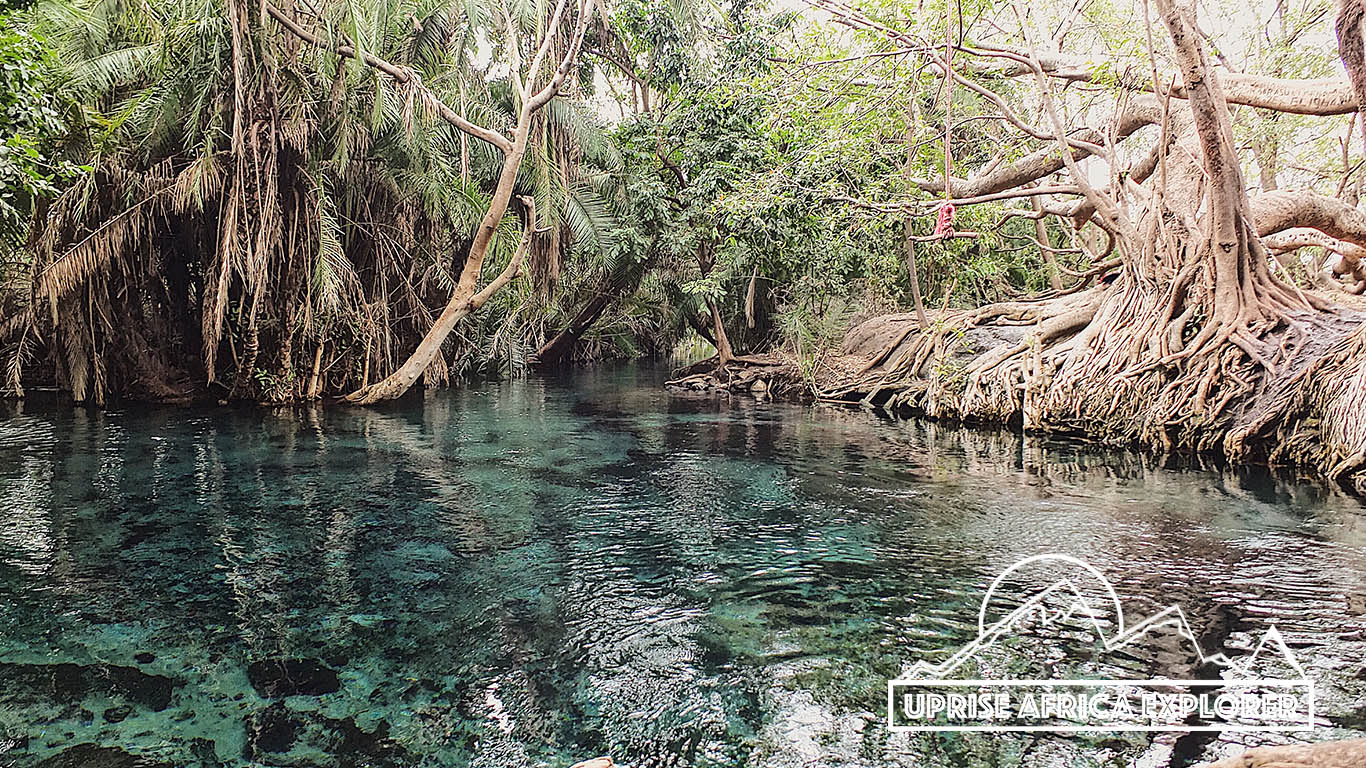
pixel 368 749
pixel 206 756
pixel 277 678
pixel 73 682
pixel 95 756
pixel 273 729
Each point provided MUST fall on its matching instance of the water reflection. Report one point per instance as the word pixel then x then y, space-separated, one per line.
pixel 535 572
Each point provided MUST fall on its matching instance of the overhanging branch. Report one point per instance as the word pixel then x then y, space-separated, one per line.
pixel 399 74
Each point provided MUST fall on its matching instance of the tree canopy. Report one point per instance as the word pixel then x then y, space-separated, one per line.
pixel 324 199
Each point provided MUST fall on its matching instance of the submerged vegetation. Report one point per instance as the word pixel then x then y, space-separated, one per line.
pixel 1086 217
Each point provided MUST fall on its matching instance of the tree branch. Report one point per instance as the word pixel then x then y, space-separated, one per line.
pixel 1310 96
pixel 399 74
pixel 1275 212
pixel 562 72
pixel 924 205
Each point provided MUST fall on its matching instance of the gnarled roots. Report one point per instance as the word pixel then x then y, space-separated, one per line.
pixel 1275 378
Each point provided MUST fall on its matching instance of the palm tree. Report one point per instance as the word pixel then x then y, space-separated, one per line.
pixel 268 215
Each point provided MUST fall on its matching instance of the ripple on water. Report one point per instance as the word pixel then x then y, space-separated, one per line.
pixel 526 574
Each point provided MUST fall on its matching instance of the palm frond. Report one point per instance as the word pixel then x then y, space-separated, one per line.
pixel 586 132
pixel 333 274
pixel 102 73
pixel 100 250
pixel 591 220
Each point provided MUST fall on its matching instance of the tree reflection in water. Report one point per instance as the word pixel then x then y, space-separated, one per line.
pixel 534 572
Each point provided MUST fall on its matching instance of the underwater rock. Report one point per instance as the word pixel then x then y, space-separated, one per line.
pixel 72 682
pixel 144 658
pixel 273 729
pixel 369 749
pixel 205 754
pixel 141 532
pixel 95 756
pixel 117 714
pixel 277 678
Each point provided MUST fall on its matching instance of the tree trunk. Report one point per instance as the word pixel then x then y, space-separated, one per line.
pixel 556 351
pixel 1268 161
pixel 1352 51
pixel 1045 245
pixel 912 269
pixel 725 353
pixel 315 387
pixel 460 304
pixel 464 299
pixel 1226 196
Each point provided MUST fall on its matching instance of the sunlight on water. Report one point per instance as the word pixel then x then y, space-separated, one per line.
pixel 536 573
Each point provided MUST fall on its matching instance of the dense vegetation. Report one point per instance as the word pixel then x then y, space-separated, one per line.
pixel 687 165
pixel 305 200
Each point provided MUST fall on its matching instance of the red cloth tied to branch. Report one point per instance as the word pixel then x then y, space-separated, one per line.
pixel 943 226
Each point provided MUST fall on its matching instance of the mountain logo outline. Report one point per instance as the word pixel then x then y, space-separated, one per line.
pixel 1236 673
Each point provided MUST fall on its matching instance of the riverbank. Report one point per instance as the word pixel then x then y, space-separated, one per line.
pixel 979 367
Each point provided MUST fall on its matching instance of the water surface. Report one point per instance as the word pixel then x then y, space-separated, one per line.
pixel 534 573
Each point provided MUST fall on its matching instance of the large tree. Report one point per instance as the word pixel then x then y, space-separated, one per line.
pixel 1180 334
pixel 287 200
pixel 532 95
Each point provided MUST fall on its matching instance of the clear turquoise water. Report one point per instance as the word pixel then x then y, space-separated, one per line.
pixel 534 573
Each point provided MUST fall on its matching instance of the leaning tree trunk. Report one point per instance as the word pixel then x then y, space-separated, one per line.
pixel 465 300
pixel 725 353
pixel 622 279
pixel 462 301
pixel 560 346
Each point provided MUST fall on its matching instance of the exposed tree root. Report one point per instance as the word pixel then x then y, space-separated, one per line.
pixel 1195 345
pixel 1122 365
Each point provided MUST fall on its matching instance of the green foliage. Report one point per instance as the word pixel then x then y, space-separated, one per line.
pixel 660 31
pixel 361 199
pixel 753 38
pixel 31 127
pixel 751 180
pixel 778 167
